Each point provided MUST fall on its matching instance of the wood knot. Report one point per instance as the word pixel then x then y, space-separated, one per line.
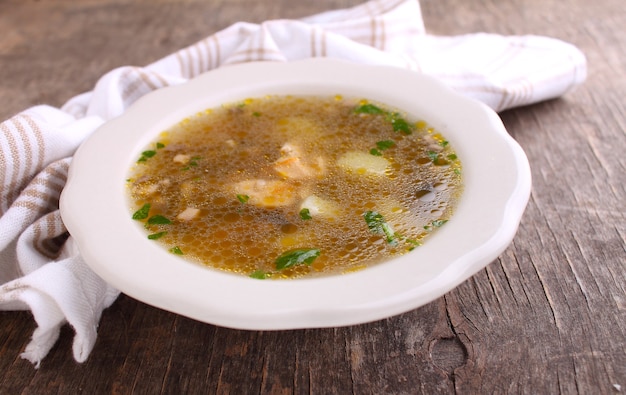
pixel 448 353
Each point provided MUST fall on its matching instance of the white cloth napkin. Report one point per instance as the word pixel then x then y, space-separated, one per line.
pixel 41 268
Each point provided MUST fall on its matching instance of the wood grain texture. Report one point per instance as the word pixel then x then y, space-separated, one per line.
pixel 548 316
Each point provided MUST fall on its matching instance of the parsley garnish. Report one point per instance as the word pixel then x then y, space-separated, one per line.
pixel 176 250
pixel 260 274
pixel 439 222
pixel 414 243
pixel 193 162
pixel 400 125
pixel 305 214
pixel 142 213
pixel 381 146
pixel 385 144
pixel 243 198
pixel 435 224
pixel 146 155
pixel 377 224
pixel 155 236
pixel 296 257
pixel 438 160
pixel 158 220
pixel 368 109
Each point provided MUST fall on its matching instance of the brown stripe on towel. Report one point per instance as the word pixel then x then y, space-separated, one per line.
pixel 12 183
pixel 49 233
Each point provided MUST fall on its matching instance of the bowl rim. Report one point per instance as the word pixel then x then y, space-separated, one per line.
pixel 497 184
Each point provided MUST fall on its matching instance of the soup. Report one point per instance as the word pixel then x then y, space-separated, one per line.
pixel 288 186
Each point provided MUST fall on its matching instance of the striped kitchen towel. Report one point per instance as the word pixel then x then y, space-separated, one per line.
pixel 40 267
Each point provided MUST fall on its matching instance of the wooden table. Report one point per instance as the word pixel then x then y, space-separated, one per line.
pixel 548 316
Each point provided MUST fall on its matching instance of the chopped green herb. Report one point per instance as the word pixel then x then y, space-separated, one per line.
pixel 155 236
pixel 414 242
pixel 260 274
pixel 444 143
pixel 176 250
pixel 401 125
pixel 193 162
pixel 381 146
pixel 385 144
pixel 146 155
pixel 158 220
pixel 296 257
pixel 305 214
pixel 452 156
pixel 398 123
pixel 439 222
pixel 142 213
pixel 243 198
pixel 368 109
pixel 377 224
pixel 160 145
pixel 435 224
pixel 256 114
pixel 433 156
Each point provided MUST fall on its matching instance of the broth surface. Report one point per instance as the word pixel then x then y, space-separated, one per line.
pixel 287 186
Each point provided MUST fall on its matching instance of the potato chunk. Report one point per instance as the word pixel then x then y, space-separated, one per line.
pixel 320 207
pixel 364 163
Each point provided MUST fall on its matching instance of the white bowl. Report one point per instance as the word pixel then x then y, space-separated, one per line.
pixel 497 182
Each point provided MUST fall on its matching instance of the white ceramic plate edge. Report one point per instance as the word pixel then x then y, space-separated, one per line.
pixel 275 310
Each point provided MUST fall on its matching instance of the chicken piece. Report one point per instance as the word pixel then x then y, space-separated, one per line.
pixel 182 158
pixel 188 214
pixel 149 187
pixel 266 193
pixel 364 163
pixel 433 143
pixel 319 207
pixel 290 164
